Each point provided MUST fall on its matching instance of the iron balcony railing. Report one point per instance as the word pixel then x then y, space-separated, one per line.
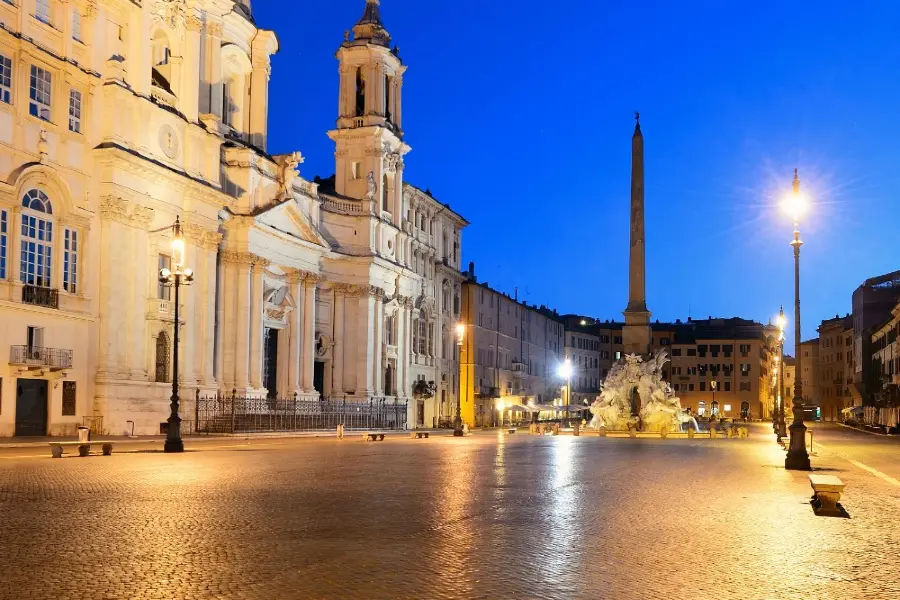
pixel 40 296
pixel 40 357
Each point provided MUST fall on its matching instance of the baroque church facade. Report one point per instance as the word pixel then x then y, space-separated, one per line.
pixel 118 117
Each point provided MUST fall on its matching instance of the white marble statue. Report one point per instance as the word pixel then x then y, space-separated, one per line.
pixel 659 408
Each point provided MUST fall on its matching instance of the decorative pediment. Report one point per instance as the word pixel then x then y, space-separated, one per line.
pixel 286 217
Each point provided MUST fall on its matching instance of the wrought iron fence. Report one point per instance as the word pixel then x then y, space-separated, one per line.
pixel 235 414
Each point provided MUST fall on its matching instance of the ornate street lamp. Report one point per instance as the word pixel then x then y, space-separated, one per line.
pixel 797 457
pixel 782 323
pixel 457 424
pixel 177 277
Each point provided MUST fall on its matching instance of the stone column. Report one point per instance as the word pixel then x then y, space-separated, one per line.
pixel 257 308
pixel 403 357
pixel 141 278
pixel 227 319
pixel 295 351
pixel 378 332
pixel 259 102
pixel 214 73
pixel 242 324
pixel 365 345
pixel 189 92
pixel 189 320
pixel 309 331
pixel 339 300
pixel 212 306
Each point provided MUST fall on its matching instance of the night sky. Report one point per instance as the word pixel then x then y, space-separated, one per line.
pixel 520 115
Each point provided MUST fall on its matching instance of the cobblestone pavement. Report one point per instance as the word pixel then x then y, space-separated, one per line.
pixel 488 516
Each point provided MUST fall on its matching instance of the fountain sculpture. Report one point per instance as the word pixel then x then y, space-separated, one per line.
pixel 634 396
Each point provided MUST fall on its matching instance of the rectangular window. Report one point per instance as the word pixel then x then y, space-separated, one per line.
pixel 745 386
pixel 68 399
pixel 727 386
pixel 39 93
pixel 676 351
pixel 163 292
pixel 76 24
pixel 617 339
pixel 42 11
pixel 692 352
pixel 690 387
pixel 70 261
pixel 75 111
pixel 702 386
pixel 5 79
pixel 3 241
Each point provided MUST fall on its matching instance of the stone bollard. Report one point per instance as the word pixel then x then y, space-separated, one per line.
pixel 556 429
pixel 602 431
pixel 632 431
pixel 690 432
pixel 576 430
pixel 340 432
pixel 663 433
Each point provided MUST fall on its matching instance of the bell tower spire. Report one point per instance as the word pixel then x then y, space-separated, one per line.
pixel 369 134
pixel 636 333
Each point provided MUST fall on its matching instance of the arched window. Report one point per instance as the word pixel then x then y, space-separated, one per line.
pixel 360 93
pixel 37 239
pixel 230 101
pixel 162 358
pixel 389 338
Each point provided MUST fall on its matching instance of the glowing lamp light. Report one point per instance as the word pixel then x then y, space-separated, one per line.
pixel 565 369
pixel 460 332
pixel 177 244
pixel 796 203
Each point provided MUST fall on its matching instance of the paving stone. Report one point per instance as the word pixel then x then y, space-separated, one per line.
pixel 487 516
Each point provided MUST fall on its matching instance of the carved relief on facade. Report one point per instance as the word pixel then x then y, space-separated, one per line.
pixel 128 213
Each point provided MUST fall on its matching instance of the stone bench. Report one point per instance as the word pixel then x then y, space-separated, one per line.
pixel 826 493
pixel 373 437
pixel 84 448
pixel 510 430
pixel 416 435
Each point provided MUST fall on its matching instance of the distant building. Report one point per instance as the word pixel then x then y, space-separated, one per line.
pixel 886 360
pixel 510 355
pixel 872 304
pixel 809 371
pixel 723 365
pixel 832 386
pixel 583 350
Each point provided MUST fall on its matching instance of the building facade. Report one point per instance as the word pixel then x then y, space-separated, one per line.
pixel 872 304
pixel 833 386
pixel 116 118
pixel 583 351
pixel 724 364
pixel 809 371
pixel 886 360
pixel 510 356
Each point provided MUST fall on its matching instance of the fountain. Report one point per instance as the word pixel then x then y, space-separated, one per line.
pixel 634 396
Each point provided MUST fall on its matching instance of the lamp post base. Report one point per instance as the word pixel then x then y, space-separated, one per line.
pixel 797 458
pixel 458 433
pixel 176 445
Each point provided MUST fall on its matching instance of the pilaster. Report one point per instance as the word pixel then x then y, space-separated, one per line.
pixel 257 307
pixel 309 331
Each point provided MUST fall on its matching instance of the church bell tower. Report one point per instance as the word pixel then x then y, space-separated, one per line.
pixel 368 139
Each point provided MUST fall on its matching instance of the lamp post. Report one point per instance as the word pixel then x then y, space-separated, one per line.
pixel 797 458
pixel 175 278
pixel 565 371
pixel 713 385
pixel 780 432
pixel 457 423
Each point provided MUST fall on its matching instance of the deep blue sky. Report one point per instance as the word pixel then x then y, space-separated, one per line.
pixel 520 116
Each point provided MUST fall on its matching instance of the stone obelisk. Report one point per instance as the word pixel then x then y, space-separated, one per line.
pixel 636 333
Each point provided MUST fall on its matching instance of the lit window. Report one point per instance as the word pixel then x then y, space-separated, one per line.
pixel 37 240
pixel 75 111
pixel 39 106
pixel 42 11
pixel 70 261
pixel 727 408
pixel 5 79
pixel 76 25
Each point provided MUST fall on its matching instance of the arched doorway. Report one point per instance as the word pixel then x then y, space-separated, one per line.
pixel 745 410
